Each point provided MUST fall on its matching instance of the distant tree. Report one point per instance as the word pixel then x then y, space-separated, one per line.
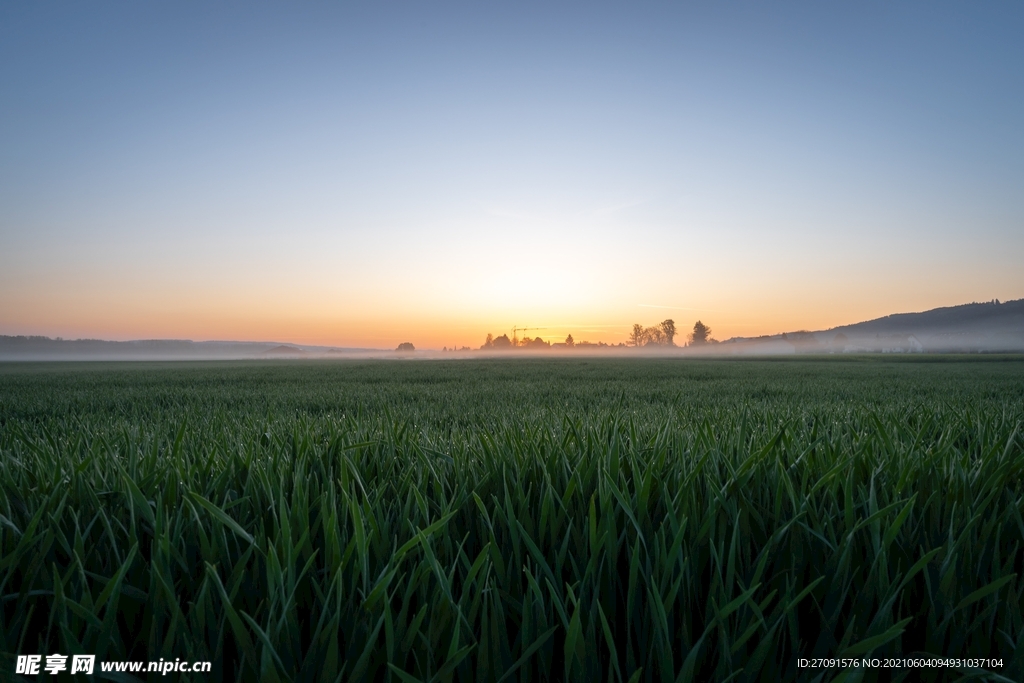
pixel 406 346
pixel 569 341
pixel 502 342
pixel 489 341
pixel 653 336
pixel 636 337
pixel 668 327
pixel 701 334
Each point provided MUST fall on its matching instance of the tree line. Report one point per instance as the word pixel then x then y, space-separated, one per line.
pixel 662 334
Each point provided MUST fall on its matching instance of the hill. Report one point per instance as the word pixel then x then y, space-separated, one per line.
pixel 44 349
pixel 990 326
pixel 976 327
pixel 990 317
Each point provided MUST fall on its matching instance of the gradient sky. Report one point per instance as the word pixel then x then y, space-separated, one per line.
pixel 431 172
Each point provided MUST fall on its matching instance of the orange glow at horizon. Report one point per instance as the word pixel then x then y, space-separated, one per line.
pixel 454 288
pixel 365 177
pixel 385 324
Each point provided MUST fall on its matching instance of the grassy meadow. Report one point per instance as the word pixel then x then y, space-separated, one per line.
pixel 540 520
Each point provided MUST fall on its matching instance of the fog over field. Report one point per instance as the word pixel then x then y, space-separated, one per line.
pixel 991 327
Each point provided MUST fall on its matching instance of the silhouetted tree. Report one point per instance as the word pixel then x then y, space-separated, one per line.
pixel 489 342
pixel 636 337
pixel 668 327
pixel 502 342
pixel 569 341
pixel 406 346
pixel 701 334
pixel 653 336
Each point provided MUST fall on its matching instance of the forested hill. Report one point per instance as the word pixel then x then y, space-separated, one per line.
pixel 990 326
pixel 978 327
pixel 985 318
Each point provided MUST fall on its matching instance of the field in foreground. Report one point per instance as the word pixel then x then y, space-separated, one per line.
pixel 641 520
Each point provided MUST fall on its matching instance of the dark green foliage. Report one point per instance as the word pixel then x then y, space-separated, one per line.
pixel 641 520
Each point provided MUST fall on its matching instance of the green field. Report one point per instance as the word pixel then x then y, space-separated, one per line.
pixel 621 520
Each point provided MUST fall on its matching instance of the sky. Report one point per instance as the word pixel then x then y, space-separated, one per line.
pixel 366 174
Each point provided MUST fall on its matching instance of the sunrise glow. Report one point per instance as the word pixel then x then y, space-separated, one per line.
pixel 361 178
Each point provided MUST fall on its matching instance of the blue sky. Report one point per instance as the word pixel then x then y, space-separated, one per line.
pixel 360 175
